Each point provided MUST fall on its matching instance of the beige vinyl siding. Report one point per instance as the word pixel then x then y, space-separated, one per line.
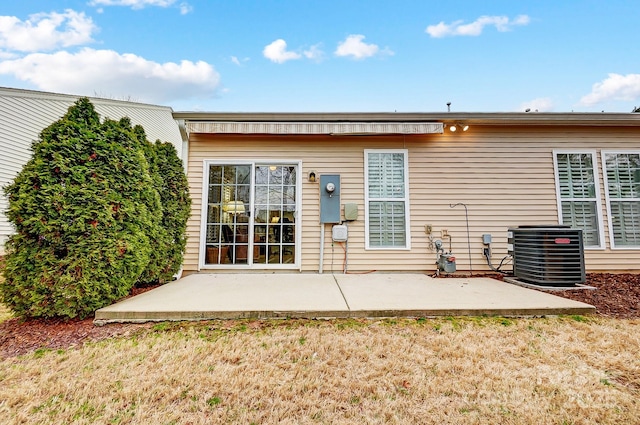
pixel 505 176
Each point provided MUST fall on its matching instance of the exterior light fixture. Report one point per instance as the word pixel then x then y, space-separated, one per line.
pixel 458 125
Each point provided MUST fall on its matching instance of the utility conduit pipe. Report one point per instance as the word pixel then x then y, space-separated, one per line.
pixel 466 215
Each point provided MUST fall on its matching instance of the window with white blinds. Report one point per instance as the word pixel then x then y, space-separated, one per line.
pixel 578 194
pixel 386 199
pixel 622 183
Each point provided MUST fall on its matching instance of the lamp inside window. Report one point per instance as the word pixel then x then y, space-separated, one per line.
pixel 234 207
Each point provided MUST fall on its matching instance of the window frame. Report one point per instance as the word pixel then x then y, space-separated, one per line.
pixel 597 197
pixel 405 200
pixel 612 240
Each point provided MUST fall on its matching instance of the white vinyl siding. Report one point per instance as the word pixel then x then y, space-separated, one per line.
pixel 24 114
pixel 387 199
pixel 622 189
pixel 578 194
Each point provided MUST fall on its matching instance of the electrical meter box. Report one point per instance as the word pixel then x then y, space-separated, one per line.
pixel 330 198
pixel 339 233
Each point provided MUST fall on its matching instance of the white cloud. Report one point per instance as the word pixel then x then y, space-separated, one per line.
pixel 277 52
pixel 540 104
pixel 134 4
pixel 501 23
pixel 236 60
pixel 614 87
pixel 45 31
pixel 314 53
pixel 356 48
pixel 185 8
pixel 120 75
pixel 7 55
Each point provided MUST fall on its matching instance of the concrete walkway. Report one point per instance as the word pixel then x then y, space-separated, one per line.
pixel 282 295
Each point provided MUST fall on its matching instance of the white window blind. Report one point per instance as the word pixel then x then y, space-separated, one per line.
pixel 387 199
pixel 622 179
pixel 578 194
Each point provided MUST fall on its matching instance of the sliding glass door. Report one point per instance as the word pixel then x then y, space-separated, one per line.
pixel 250 215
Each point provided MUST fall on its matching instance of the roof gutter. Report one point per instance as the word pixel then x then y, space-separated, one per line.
pixel 472 118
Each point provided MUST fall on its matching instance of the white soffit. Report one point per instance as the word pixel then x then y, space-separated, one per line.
pixel 335 128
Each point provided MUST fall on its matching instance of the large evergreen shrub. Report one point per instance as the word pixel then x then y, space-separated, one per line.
pixel 158 235
pixel 176 205
pixel 169 239
pixel 83 208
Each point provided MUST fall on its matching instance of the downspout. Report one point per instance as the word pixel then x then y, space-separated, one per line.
pixel 185 161
pixel 320 266
pixel 185 144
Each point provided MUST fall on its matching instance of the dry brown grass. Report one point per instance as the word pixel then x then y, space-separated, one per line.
pixel 568 370
pixel 5 313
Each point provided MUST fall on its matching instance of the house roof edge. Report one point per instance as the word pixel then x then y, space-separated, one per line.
pixel 475 118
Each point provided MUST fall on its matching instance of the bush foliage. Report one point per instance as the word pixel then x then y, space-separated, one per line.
pixel 169 238
pixel 168 172
pixel 88 216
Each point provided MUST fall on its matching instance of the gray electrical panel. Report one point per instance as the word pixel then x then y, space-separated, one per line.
pixel 330 198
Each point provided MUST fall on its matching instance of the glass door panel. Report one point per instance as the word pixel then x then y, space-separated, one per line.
pixel 228 207
pixel 275 214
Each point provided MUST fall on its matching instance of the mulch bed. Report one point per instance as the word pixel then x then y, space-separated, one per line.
pixel 19 337
pixel 616 296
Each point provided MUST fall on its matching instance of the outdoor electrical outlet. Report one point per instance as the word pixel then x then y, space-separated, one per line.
pixel 428 229
pixel 445 233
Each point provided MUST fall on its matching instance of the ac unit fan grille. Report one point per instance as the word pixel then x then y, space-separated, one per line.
pixel 548 256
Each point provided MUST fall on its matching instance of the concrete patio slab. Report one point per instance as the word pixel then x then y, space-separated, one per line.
pixel 226 296
pixel 281 295
pixel 421 295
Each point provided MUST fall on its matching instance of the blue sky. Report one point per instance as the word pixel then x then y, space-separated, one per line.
pixel 329 56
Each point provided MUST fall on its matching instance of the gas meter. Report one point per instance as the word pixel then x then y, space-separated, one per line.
pixel 445 261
